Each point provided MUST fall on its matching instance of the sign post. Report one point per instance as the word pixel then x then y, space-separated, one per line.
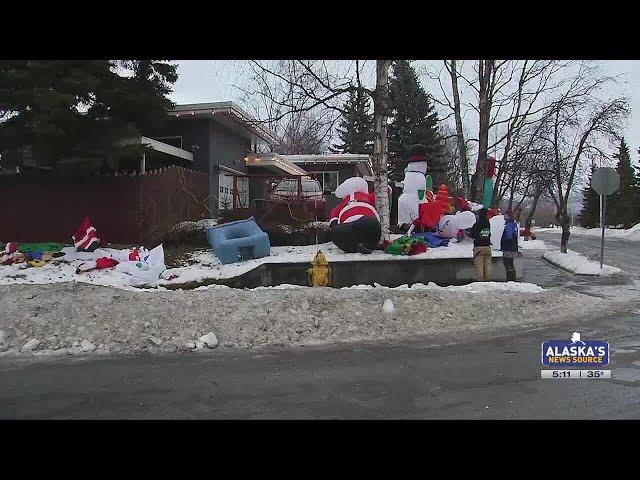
pixel 604 181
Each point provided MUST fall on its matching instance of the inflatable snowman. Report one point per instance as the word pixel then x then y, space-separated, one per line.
pixel 413 193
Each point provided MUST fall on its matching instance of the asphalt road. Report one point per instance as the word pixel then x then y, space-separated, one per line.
pixel 480 378
pixel 495 378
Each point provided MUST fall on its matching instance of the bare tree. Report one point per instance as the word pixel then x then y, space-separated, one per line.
pixel 451 66
pixel 576 129
pixel 380 143
pixel 507 96
pixel 283 89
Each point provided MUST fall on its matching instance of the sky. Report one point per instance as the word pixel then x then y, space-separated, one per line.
pixel 217 80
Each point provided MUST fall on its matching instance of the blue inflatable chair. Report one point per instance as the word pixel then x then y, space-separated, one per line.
pixel 236 241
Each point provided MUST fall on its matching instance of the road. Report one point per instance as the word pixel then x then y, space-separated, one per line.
pixel 495 378
pixel 480 378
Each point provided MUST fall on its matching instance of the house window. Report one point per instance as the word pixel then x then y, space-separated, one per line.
pixel 328 180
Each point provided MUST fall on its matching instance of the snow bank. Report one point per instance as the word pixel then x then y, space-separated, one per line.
pixel 632 233
pixel 476 287
pixel 190 226
pixel 59 318
pixel 579 264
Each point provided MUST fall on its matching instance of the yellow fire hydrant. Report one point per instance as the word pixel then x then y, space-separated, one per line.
pixel 319 273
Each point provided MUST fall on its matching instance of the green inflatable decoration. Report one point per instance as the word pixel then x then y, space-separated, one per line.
pixel 429 182
pixel 39 247
pixel 488 193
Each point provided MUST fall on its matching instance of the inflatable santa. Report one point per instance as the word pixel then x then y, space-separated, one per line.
pixel 354 223
pixel 86 237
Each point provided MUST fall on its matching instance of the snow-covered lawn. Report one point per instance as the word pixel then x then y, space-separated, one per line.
pixel 203 264
pixel 579 264
pixel 207 266
pixel 632 233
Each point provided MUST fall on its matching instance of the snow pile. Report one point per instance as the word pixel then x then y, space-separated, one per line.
pixel 475 287
pixel 190 226
pixel 579 264
pixel 632 233
pixel 81 319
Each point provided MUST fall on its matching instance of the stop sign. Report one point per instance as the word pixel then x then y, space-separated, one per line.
pixel 605 181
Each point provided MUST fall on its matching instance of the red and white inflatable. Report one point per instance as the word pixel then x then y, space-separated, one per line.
pixel 354 223
pixel 86 237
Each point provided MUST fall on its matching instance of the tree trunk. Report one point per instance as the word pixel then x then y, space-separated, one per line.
pixel 566 227
pixel 462 146
pixel 485 68
pixel 528 222
pixel 381 147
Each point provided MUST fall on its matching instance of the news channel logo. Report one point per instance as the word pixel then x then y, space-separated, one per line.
pixel 575 352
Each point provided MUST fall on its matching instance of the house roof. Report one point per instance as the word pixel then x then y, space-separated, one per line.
pixel 274 162
pixel 225 111
pixel 362 161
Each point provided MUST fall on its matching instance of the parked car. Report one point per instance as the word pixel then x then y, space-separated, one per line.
pixel 311 196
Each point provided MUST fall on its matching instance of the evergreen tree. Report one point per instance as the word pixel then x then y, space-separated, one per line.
pixel 413 120
pixel 356 126
pixel 637 193
pixel 590 214
pixel 623 203
pixel 77 109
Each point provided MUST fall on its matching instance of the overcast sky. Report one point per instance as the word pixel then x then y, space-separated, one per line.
pixel 214 80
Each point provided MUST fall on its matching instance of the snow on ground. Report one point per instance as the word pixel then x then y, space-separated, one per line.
pixel 476 287
pixel 579 264
pixel 58 272
pixel 207 266
pixel 632 233
pixel 203 264
pixel 61 317
pixel 531 244
pixel 190 226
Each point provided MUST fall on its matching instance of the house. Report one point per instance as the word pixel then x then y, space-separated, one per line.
pixel 223 140
pixel 213 138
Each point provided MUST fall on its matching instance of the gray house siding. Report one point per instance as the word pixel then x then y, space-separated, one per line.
pixel 214 145
pixel 194 133
pixel 226 148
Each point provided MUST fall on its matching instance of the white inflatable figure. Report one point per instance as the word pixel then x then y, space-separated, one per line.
pixel 420 167
pixel 409 200
pixel 146 270
pixel 448 226
pixel 466 219
pixel 351 185
pixel 475 206
pixel 497 227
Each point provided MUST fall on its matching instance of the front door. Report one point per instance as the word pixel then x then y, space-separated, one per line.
pixel 225 198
